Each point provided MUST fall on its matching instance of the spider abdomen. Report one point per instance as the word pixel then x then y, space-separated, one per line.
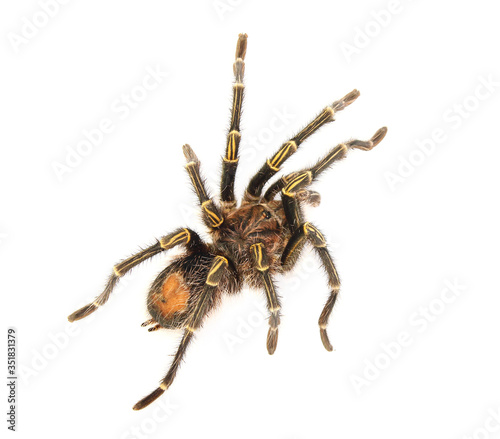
pixel 177 289
pixel 173 295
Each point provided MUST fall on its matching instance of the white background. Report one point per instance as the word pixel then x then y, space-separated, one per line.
pixel 399 232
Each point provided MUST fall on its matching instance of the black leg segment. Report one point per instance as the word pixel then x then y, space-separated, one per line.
pixel 185 237
pixel 230 160
pixel 261 264
pixel 307 231
pixel 273 165
pixel 217 270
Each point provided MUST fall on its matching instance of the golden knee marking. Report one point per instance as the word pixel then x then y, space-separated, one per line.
pixel 296 182
pixel 163 386
pixel 190 329
pixel 223 259
pixel 188 235
pixel 215 219
pixel 258 256
pixel 286 150
pixel 211 283
pixel 182 237
pixel 288 194
pixel 314 233
pixel 231 146
pixel 215 273
pixel 275 169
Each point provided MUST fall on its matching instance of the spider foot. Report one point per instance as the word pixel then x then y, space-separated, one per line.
pixel 347 100
pixel 324 338
pixel 312 198
pixel 272 340
pixel 82 312
pixel 366 145
pixel 144 402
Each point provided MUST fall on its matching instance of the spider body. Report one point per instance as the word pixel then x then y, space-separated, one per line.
pixel 251 243
pixel 177 288
pixel 249 225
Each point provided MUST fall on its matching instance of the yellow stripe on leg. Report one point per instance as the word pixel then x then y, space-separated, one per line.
pixel 181 237
pixel 215 219
pixel 213 278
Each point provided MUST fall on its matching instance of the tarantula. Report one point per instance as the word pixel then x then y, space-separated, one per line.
pixel 251 243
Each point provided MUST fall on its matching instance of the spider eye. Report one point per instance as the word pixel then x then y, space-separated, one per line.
pixel 266 214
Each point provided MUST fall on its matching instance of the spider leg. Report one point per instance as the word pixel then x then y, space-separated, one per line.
pixel 307 231
pixel 230 160
pixel 299 180
pixel 217 270
pixel 335 155
pixel 261 264
pixel 276 187
pixel 212 216
pixel 309 197
pixel 272 165
pixel 184 237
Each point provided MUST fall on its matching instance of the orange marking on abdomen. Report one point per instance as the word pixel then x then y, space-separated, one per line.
pixel 173 297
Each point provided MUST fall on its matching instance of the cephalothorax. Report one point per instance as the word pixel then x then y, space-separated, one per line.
pixel 251 242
